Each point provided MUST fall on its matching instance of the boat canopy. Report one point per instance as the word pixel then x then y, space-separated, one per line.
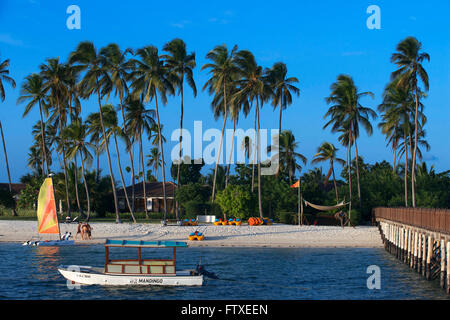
pixel 144 244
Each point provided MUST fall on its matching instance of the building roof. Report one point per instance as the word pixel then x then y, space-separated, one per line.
pixel 152 189
pixel 16 187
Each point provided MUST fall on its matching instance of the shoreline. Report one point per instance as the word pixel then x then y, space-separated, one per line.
pixel 273 236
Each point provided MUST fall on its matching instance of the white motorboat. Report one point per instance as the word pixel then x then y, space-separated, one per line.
pixel 141 271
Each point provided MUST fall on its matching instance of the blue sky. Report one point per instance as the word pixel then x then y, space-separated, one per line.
pixel 318 40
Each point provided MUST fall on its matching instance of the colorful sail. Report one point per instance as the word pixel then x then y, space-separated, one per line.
pixel 46 211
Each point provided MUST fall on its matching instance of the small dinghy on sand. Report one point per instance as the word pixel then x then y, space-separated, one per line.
pixel 47 218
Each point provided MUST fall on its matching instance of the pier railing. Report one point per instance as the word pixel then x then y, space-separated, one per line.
pixel 436 220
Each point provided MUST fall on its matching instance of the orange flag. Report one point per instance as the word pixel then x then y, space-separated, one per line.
pixel 296 185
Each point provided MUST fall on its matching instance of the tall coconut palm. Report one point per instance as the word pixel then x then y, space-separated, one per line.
pixel 5 78
pixel 181 66
pixel 95 80
pixel 54 75
pixel 346 114
pixel 34 160
pixel 396 109
pixel 223 70
pixel 327 152
pixel 139 121
pixel 154 161
pixel 118 69
pixel 114 130
pixel 282 88
pixel 76 135
pixel 150 79
pixel 253 87
pixel 289 157
pixel 33 92
pixel 50 132
pixel 409 59
pixel 96 138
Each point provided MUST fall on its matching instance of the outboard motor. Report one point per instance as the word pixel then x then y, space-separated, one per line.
pixel 201 270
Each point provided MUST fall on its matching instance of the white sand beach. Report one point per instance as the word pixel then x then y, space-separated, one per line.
pixel 277 235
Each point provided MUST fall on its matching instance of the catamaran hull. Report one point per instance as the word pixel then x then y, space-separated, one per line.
pixel 182 278
pixel 50 243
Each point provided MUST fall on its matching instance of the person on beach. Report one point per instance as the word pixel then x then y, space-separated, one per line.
pixel 86 231
pixel 78 231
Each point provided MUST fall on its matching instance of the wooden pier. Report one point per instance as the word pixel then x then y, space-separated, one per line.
pixel 418 237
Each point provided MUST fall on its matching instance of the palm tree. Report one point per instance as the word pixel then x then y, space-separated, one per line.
pixel 289 158
pixel 154 160
pixel 327 152
pixel 114 130
pixel 76 134
pixel 408 59
pixel 33 91
pixel 150 78
pixel 223 70
pixel 4 77
pixel 180 65
pixel 95 80
pixel 96 138
pixel 396 109
pixel 139 121
pixel 39 143
pixel 253 87
pixel 118 69
pixel 346 113
pixel 282 88
pixel 35 160
pixel 234 109
pixel 54 75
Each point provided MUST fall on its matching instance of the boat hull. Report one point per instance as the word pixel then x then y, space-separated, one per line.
pixel 50 243
pixel 88 276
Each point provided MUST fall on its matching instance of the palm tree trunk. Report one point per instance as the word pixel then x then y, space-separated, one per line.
pixel 133 178
pixel 65 165
pixel 141 157
pixel 259 163
pixel 254 156
pixel 357 171
pixel 43 139
pixel 85 188
pixel 413 169
pixel 406 171
pixel 97 151
pixel 75 179
pixel 334 181
pixel 181 139
pixel 162 157
pixel 131 162
pixel 349 173
pixel 231 153
pixel 14 213
pixel 122 180
pixel 221 140
pixel 113 184
pixel 395 157
pixel 279 128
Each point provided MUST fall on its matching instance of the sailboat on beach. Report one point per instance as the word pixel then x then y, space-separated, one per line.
pixel 47 218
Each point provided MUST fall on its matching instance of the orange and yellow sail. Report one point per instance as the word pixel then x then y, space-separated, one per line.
pixel 46 210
